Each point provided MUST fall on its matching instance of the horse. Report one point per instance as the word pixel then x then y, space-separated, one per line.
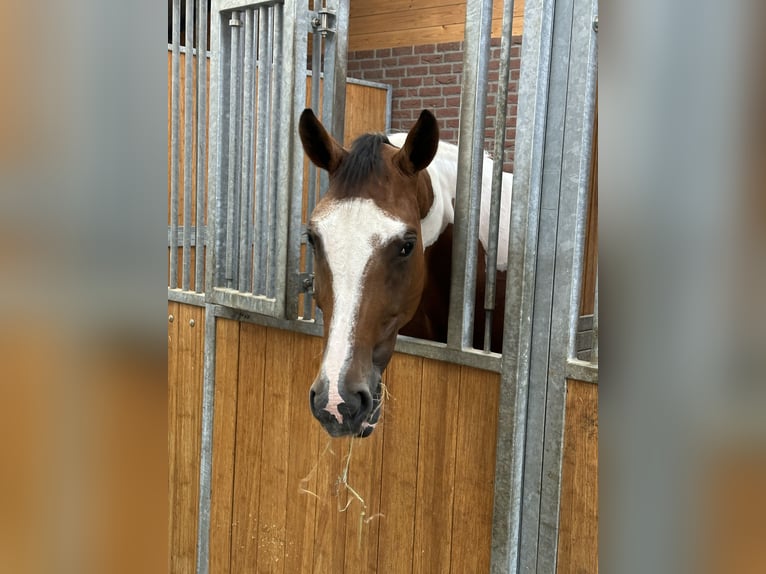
pixel 382 243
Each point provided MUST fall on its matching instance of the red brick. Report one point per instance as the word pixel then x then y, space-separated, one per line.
pixel 417 71
pixel 388 62
pixel 383 53
pixel 425 49
pixel 433 102
pixel 453 102
pixel 364 54
pixel 453 57
pixel 449 79
pixel 408 60
pixel 401 51
pixel 369 64
pixel 410 104
pixel 411 81
pixel 394 72
pixel 430 91
pixel 437 69
pixel 449 46
pixel 432 58
pixel 451 90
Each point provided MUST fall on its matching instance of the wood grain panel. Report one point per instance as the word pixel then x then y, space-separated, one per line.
pixel 247 461
pixel 185 400
pixel 578 519
pixel 401 425
pixel 330 525
pixel 375 25
pixel 590 268
pixel 224 437
pixel 474 471
pixel 275 443
pixel 365 111
pixel 436 467
pixel 172 429
pixel 304 437
pixel 363 524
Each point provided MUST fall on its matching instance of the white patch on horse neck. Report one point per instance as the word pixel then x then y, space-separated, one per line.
pixel 350 231
pixel 443 173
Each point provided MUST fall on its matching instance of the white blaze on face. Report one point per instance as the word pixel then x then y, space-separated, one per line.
pixel 350 230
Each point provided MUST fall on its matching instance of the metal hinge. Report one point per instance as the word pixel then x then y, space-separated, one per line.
pixel 324 21
pixel 306 282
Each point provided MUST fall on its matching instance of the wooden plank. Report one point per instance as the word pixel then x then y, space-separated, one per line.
pixel 578 518
pixel 330 525
pixel 424 23
pixel 172 431
pixel 187 420
pixel 363 523
pixel 247 457
pixel 224 441
pixel 400 427
pixel 360 8
pixel 304 436
pixel 590 269
pixel 474 471
pixel 275 443
pixel 365 111
pixel 436 467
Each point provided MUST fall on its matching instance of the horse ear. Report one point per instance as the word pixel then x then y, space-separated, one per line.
pixel 319 145
pixel 420 146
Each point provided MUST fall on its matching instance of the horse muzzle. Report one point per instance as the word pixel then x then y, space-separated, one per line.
pixel 353 411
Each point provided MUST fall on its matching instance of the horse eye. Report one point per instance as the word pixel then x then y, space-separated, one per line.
pixel 406 249
pixel 310 238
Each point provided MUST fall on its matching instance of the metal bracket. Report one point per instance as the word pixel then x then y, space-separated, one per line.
pixel 235 21
pixel 324 21
pixel 306 282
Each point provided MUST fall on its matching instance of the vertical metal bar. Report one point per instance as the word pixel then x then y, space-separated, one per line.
pixel 175 136
pixel 206 442
pixel 579 82
pixel 218 153
pixel 339 64
pixel 235 87
pixel 274 58
pixel 470 164
pixel 316 63
pixel 248 110
pixel 262 150
pixel 200 238
pixel 594 346
pixel 188 143
pixel 501 101
pixel 290 184
pixel 520 287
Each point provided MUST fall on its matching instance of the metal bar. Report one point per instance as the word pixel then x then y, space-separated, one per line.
pixel 594 348
pixel 202 96
pixel 218 152
pixel 197 235
pixel 188 297
pixel 339 64
pixel 316 64
pixel 290 183
pixel 584 371
pixel 262 152
pixel 188 145
pixel 577 147
pixel 235 142
pixel 248 110
pixel 520 287
pixel 275 46
pixel 206 443
pixel 235 4
pixel 470 164
pixel 175 136
pixel 501 102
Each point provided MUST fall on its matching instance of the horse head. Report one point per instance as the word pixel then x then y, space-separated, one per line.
pixel 369 271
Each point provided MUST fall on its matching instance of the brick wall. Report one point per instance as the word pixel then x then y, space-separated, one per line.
pixel 429 76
